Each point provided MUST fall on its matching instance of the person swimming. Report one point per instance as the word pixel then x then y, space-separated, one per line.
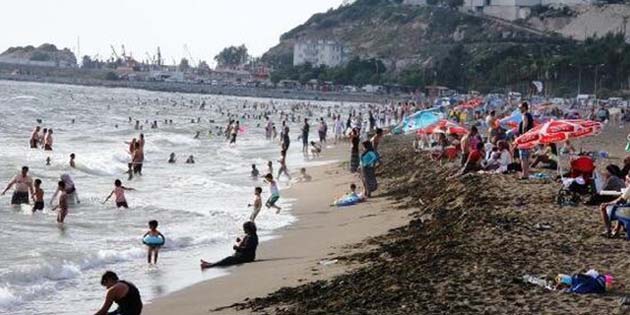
pixel 172 158
pixel 190 160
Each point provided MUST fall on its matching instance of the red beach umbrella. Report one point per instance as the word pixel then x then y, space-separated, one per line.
pixel 555 131
pixel 444 126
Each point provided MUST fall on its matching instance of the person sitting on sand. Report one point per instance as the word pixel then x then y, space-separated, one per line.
pixel 625 170
pixel 190 160
pixel 612 181
pixel 244 250
pixel 473 161
pixel 172 159
pixel 349 198
pixel 548 155
pixel 608 210
pixel 303 176
pixel 124 293
pixel 316 149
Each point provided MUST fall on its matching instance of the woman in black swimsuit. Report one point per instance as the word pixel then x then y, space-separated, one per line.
pixel 245 250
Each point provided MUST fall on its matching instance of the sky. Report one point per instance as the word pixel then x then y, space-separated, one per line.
pixel 204 26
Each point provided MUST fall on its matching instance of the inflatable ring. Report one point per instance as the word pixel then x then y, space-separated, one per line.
pixel 153 240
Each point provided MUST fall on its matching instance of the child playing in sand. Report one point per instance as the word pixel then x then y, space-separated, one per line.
pixel 303 176
pixel 63 202
pixel 153 239
pixel 38 196
pixel 119 191
pixel 316 149
pixel 275 193
pixel 257 204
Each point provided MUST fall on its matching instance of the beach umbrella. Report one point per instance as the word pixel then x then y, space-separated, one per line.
pixel 555 131
pixel 418 120
pixel 444 126
pixel 470 104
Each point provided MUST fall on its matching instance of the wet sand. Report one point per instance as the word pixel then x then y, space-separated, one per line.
pixel 321 233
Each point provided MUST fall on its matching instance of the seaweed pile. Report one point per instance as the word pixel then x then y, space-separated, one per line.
pixel 464 251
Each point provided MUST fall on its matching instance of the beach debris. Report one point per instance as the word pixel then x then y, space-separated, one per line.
pixel 543 226
pixel 328 262
pixel 538 281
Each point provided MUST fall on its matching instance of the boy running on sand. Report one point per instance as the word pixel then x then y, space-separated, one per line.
pixel 275 193
pixel 153 249
pixel 38 196
pixel 119 191
pixel 257 204
pixel 63 202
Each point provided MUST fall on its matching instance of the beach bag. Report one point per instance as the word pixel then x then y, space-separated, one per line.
pixel 584 284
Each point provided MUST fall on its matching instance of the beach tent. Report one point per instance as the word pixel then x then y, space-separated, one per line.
pixel 418 120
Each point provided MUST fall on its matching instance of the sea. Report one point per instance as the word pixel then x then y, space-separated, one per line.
pixel 48 269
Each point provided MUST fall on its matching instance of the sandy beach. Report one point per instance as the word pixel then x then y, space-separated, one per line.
pixel 321 234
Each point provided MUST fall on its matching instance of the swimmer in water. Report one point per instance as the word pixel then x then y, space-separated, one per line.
pixel 72 156
pixel 34 138
pixel 153 249
pixel 63 203
pixel 38 196
pixel 255 172
pixel 48 161
pixel 190 160
pixel 48 141
pixel 119 191
pixel 197 135
pixel 172 158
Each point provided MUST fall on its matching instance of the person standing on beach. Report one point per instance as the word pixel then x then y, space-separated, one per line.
pixel 257 204
pixel 369 158
pixel 305 131
pixel 275 193
pixel 354 150
pixel 23 185
pixel 42 137
pixel 286 141
pixel 283 165
pixel 34 138
pixel 527 123
pixel 121 292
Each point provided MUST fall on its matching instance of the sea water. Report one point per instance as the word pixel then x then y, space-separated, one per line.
pixel 45 269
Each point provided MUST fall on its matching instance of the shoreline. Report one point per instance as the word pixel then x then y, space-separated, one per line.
pixel 292 257
pixel 189 88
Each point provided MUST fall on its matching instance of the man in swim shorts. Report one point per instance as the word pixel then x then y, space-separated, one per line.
pixel 35 138
pixel 23 185
pixel 123 293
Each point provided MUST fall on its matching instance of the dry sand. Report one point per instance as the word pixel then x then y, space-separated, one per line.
pixel 321 233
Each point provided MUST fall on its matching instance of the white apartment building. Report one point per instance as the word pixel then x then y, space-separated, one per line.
pixel 320 52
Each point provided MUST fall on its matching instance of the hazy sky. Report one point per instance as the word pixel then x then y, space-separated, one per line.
pixel 206 26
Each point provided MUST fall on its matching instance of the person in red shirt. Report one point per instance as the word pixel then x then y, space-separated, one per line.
pixel 473 162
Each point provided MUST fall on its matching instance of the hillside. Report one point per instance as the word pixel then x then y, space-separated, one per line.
pixel 44 55
pixel 403 35
pixel 412 46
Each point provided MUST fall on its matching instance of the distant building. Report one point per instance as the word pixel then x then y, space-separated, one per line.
pixel 512 10
pixel 415 2
pixel 320 52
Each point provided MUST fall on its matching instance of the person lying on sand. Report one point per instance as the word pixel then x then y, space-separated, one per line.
pixel 244 250
pixel 351 198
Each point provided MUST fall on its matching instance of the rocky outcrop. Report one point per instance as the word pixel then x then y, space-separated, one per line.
pixel 44 55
